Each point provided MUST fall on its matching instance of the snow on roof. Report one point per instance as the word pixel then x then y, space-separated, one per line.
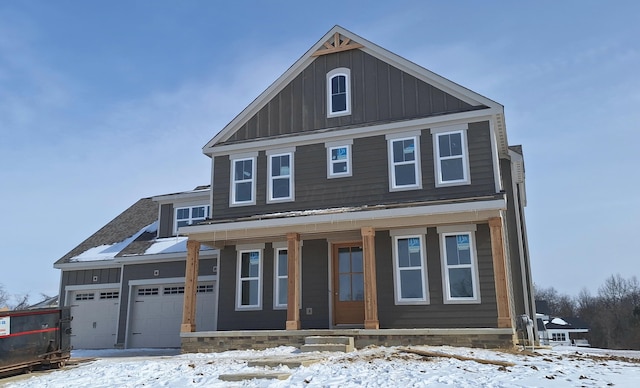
pixel 170 245
pixel 109 251
pixel 559 321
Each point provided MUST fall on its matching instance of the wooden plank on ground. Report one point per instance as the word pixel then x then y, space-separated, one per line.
pixel 428 353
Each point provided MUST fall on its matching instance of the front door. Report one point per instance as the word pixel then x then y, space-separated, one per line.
pixel 348 281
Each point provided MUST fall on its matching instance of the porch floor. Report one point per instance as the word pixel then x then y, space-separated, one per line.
pixel 219 341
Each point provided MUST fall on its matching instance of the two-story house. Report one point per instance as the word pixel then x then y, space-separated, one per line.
pixel 125 283
pixel 362 194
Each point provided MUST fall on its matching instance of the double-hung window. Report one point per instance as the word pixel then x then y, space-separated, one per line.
pixel 410 271
pixel 459 264
pixel 404 162
pixel 338 159
pixel 189 215
pixel 249 284
pixel 280 180
pixel 338 92
pixel 451 154
pixel 281 278
pixel 243 181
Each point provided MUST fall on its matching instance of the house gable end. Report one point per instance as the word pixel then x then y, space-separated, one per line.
pixel 386 88
pixel 380 93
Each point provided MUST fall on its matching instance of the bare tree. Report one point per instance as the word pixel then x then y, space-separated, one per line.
pixel 4 297
pixel 22 302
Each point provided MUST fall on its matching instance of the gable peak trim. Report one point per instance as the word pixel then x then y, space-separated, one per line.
pixel 336 44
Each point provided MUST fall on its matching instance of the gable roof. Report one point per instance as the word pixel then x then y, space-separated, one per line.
pixel 340 39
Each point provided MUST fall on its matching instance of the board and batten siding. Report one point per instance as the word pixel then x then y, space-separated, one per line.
pixel 85 278
pixel 369 183
pixel 165 225
pixel 436 314
pixel 380 93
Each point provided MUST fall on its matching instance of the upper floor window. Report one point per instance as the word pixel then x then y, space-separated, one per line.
pixel 410 268
pixel 459 264
pixel 280 183
pixel 338 159
pixel 338 92
pixel 189 215
pixel 404 163
pixel 243 181
pixel 450 150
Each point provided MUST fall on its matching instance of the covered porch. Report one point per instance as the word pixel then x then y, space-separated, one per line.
pixel 354 225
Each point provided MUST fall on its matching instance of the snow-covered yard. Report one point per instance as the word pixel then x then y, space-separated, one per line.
pixel 372 367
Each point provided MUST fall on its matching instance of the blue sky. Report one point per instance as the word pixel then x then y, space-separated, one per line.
pixel 102 103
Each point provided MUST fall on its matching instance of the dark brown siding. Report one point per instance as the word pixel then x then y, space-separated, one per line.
pixel 165 228
pixel 379 93
pixel 172 269
pixel 369 184
pixel 228 317
pixel 436 314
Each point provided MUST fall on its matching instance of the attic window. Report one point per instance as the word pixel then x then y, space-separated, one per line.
pixel 339 92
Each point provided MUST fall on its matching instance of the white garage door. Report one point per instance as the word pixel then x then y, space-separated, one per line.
pixel 95 317
pixel 156 314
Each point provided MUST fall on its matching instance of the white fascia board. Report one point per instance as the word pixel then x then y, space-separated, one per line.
pixel 96 286
pixel 165 257
pixel 354 133
pixel 496 204
pixel 307 58
pixel 80 265
pixel 191 195
pixel 177 280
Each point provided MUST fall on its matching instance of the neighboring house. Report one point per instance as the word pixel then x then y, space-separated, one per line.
pixel 125 283
pixel 363 191
pixel 565 331
pixel 48 302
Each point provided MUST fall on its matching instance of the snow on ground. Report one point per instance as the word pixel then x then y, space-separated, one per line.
pixel 369 367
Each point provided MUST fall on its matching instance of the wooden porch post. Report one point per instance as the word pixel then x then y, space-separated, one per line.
pixel 500 272
pixel 190 287
pixel 370 288
pixel 293 282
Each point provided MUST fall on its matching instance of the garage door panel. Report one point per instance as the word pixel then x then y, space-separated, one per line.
pixel 157 314
pixel 95 315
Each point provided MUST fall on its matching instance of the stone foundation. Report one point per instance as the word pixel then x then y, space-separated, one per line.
pixel 220 341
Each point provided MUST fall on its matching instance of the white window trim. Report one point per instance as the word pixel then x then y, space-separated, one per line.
pixel 446 295
pixel 333 73
pixel 332 146
pixel 391 164
pixel 239 279
pixel 448 130
pixel 270 178
pixel 232 199
pixel 276 277
pixel 396 272
pixel 207 210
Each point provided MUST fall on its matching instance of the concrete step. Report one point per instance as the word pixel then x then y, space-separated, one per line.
pixel 318 339
pixel 326 348
pixel 255 375
pixel 291 362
